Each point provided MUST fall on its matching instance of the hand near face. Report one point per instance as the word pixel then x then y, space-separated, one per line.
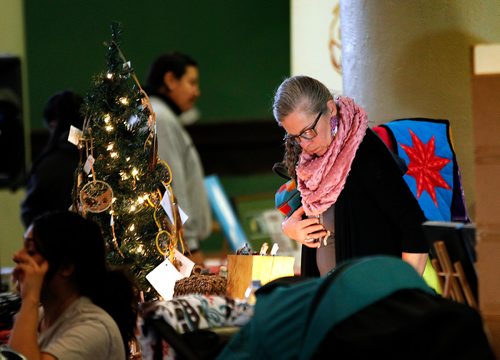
pixel 29 274
pixel 305 231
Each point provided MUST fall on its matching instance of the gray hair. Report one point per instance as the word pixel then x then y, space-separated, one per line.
pixel 298 93
pixel 301 93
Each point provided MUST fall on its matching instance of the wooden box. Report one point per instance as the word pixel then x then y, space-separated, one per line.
pixel 243 269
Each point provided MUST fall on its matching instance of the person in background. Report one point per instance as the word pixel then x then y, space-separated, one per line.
pixel 173 87
pixel 354 200
pixel 51 179
pixel 88 311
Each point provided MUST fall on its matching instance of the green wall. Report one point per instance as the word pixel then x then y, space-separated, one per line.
pixel 243 47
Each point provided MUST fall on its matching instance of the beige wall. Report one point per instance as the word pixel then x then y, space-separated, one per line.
pixel 486 115
pixel 11 42
pixel 412 59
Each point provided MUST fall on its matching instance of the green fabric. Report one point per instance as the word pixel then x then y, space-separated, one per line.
pixel 277 324
pixel 281 327
pixel 364 283
pixel 431 277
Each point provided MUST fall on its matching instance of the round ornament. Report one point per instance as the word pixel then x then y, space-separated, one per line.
pixel 96 196
pixel 163 242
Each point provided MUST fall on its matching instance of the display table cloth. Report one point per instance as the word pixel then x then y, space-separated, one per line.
pixel 188 314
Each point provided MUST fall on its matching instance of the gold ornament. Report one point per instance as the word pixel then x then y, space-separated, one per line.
pixel 163 242
pixel 96 196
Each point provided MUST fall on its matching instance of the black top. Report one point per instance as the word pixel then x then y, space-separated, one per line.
pixel 51 180
pixel 376 213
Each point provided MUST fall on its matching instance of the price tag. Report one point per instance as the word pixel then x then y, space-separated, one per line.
pixel 75 135
pixel 167 206
pixel 88 164
pixel 185 264
pixel 163 278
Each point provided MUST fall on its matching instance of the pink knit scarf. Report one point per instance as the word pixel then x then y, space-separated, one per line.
pixel 321 179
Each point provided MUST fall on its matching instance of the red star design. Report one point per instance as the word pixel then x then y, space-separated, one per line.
pixel 425 166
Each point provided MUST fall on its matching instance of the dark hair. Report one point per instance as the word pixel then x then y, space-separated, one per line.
pixel 301 93
pixel 175 62
pixel 64 108
pixel 66 238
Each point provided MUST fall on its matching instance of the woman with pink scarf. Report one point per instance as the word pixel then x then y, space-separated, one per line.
pixel 354 200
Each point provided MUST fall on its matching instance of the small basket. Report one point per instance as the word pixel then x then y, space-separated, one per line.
pixel 198 283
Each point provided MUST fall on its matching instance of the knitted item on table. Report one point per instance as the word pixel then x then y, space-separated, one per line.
pixel 198 283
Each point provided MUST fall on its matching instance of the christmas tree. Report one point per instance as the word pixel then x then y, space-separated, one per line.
pixel 121 184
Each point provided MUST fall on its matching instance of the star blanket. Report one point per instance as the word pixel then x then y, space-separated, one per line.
pixel 433 174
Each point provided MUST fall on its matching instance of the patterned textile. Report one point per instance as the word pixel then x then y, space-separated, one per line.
pixel 288 198
pixel 433 174
pixel 189 313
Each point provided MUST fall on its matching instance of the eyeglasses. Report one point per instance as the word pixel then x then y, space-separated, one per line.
pixel 307 134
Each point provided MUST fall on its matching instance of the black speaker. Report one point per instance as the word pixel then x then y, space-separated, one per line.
pixel 12 153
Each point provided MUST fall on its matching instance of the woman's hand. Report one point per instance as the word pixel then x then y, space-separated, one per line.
pixel 305 231
pixel 28 276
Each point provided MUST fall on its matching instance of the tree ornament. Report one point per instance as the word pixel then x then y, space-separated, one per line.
pixel 96 196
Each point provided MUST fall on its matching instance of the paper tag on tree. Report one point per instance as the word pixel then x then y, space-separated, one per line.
pixel 75 135
pixel 185 265
pixel 167 206
pixel 163 278
pixel 88 164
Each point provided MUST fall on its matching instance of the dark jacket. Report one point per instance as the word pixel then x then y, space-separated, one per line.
pixel 376 213
pixel 50 181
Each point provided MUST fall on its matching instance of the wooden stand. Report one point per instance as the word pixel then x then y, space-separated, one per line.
pixel 243 269
pixel 449 273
